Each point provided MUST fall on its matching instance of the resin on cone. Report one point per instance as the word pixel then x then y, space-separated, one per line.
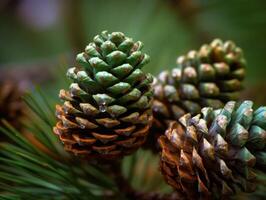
pixel 210 77
pixel 214 154
pixel 107 110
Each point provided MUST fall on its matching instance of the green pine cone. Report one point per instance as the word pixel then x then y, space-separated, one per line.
pixel 107 110
pixel 214 153
pixel 210 76
pixel 242 127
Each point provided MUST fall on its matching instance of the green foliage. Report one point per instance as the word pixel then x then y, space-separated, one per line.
pixel 142 170
pixel 29 173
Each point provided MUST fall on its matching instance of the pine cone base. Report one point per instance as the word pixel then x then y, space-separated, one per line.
pixel 105 143
pixel 107 110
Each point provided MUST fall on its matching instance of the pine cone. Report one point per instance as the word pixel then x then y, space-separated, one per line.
pixel 107 111
pixel 12 107
pixel 214 153
pixel 208 77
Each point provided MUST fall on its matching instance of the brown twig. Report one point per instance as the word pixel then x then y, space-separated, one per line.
pixel 121 182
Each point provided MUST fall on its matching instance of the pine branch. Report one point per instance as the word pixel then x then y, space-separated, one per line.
pixel 24 165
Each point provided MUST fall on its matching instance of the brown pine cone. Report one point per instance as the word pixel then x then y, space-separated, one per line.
pixel 213 155
pixel 107 112
pixel 210 76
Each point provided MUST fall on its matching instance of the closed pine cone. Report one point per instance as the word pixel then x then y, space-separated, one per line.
pixel 210 76
pixel 107 110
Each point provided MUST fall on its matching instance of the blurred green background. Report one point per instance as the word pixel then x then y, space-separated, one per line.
pixel 37 36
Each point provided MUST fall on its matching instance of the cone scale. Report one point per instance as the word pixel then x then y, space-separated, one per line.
pixel 107 110
pixel 208 77
pixel 214 154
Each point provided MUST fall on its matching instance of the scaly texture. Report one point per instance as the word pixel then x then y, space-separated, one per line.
pixel 210 76
pixel 107 110
pixel 214 154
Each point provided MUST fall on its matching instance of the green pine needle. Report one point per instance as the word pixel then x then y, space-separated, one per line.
pixel 27 172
